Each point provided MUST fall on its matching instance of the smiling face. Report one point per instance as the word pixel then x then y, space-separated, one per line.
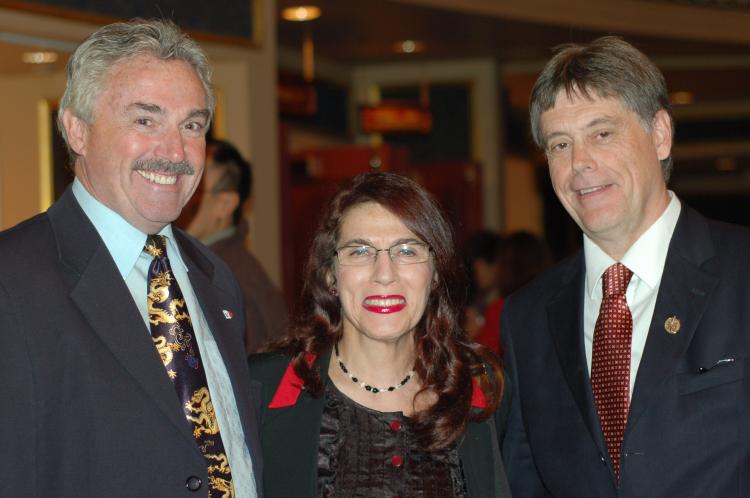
pixel 384 301
pixel 605 169
pixel 143 153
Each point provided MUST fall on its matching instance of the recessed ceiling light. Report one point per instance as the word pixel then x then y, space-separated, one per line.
pixel 682 98
pixel 39 57
pixel 408 46
pixel 301 13
pixel 726 164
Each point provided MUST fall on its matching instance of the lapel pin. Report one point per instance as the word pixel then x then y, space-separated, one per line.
pixel 228 314
pixel 672 325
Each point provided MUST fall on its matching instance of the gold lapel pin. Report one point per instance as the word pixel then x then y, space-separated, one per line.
pixel 672 325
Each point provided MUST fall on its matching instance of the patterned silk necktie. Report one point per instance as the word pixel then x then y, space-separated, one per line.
pixel 610 360
pixel 174 338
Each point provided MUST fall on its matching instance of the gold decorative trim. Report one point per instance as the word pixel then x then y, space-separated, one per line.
pixel 46 127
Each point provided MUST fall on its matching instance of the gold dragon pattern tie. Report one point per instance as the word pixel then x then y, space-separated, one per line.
pixel 174 338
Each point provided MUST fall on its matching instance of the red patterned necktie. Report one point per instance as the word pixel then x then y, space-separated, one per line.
pixel 610 360
pixel 174 338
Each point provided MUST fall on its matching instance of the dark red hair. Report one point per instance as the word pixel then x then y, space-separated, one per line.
pixel 446 359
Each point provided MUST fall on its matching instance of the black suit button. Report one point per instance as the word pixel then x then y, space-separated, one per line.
pixel 193 483
pixel 604 460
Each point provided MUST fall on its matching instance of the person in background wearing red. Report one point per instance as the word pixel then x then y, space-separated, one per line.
pixel 485 265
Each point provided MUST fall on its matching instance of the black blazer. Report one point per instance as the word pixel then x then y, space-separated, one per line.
pixel 88 410
pixel 290 437
pixel 688 430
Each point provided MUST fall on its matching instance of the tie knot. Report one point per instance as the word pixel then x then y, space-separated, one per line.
pixel 616 279
pixel 156 246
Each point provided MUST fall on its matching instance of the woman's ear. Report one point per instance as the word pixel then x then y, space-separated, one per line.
pixel 331 284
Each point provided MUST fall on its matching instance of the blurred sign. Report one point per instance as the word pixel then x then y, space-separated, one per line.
pixel 395 117
pixel 297 98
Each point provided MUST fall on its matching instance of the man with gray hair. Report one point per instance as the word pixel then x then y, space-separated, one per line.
pixel 626 362
pixel 122 338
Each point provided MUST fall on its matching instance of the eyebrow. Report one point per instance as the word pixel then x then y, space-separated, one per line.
pixel 199 113
pixel 591 124
pixel 152 108
pixel 357 242
pixel 603 120
pixel 157 109
pixel 364 242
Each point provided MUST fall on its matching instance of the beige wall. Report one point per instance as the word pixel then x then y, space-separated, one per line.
pixel 247 82
pixel 19 143
pixel 245 76
pixel 522 200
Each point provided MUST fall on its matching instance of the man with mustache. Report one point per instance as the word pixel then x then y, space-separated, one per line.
pixel 122 338
pixel 629 363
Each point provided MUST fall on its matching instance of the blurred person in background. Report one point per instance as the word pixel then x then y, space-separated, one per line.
pixel 216 216
pixel 377 391
pixel 525 256
pixel 487 272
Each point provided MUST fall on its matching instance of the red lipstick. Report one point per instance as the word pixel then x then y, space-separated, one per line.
pixel 384 304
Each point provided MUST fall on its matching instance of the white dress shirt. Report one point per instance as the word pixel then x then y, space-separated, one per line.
pixel 125 244
pixel 645 258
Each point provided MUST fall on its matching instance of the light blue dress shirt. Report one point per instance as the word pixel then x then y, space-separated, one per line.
pixel 125 244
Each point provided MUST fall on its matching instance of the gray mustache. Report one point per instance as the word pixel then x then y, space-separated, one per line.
pixel 164 166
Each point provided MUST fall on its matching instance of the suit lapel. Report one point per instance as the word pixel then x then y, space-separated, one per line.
pixel 306 407
pixel 684 292
pixel 295 431
pixel 104 300
pixel 565 319
pixel 480 460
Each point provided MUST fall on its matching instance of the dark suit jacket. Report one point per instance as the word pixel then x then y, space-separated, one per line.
pixel 688 430
pixel 88 410
pixel 265 309
pixel 290 439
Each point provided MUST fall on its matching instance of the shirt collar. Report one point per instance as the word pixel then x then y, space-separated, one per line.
pixel 123 241
pixel 220 235
pixel 645 258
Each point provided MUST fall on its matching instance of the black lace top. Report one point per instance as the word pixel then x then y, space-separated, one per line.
pixel 364 453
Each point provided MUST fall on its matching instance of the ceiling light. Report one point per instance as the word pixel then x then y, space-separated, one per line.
pixel 301 13
pixel 40 57
pixel 408 46
pixel 726 164
pixel 682 98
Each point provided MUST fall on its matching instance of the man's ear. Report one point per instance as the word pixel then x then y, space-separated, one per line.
pixel 661 132
pixel 227 202
pixel 76 130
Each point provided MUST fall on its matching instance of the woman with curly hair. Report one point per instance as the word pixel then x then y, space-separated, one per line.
pixel 376 390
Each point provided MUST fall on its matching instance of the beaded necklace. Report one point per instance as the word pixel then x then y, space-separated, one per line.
pixel 364 385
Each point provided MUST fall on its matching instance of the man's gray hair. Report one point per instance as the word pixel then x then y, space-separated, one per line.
pixel 120 42
pixel 608 67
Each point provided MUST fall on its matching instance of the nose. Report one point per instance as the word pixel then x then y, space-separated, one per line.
pixel 581 158
pixel 384 271
pixel 173 146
